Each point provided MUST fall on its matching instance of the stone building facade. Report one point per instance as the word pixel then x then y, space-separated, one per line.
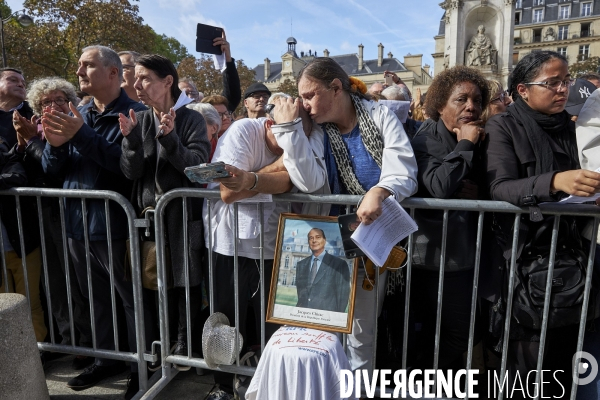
pixel 515 28
pixel 411 71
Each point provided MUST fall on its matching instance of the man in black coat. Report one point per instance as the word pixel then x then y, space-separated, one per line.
pixel 322 280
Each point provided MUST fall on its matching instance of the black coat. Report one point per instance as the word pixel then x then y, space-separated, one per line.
pixel 331 287
pixel 510 162
pixel 185 146
pixel 443 164
pixel 510 171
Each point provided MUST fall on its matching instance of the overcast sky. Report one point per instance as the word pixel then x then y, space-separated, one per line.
pixel 258 29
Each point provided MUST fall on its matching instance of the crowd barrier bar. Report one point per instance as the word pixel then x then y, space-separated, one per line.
pixel 159 382
pixel 139 357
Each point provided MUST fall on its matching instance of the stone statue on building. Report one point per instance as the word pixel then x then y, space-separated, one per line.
pixel 480 49
pixel 550 35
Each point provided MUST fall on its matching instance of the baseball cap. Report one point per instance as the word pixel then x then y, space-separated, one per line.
pixel 578 94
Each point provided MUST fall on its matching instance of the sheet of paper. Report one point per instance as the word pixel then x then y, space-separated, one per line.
pixel 377 239
pixel 258 198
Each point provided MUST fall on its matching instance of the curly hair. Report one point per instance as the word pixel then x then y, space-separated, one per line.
pixel 529 67
pixel 43 86
pixel 441 88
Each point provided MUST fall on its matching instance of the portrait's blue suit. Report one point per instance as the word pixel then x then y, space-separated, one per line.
pixel 331 287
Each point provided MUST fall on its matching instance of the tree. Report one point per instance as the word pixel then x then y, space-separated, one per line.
pixel 208 79
pixel 169 47
pixel 288 87
pixel 62 28
pixel 582 67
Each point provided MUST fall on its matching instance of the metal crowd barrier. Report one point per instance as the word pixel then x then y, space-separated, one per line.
pixel 411 204
pixel 149 390
pixel 136 355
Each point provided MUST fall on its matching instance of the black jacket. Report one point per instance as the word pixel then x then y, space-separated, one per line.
pixel 510 172
pixel 7 130
pixel 13 175
pixel 510 162
pixel 231 85
pixel 443 164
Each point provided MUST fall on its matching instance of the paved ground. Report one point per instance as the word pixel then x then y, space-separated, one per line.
pixel 185 385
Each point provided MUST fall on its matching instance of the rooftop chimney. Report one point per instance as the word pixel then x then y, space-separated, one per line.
pixel 390 55
pixel 379 55
pixel 426 68
pixel 267 68
pixel 360 56
pixel 325 53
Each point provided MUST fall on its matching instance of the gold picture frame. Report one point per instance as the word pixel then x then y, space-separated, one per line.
pixel 326 303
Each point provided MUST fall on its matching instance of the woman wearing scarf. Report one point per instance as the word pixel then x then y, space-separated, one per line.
pixel 532 158
pixel 159 144
pixel 367 153
pixel 448 152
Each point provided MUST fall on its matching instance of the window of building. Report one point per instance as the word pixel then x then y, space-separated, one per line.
pixel 537 35
pixel 586 9
pixel 294 280
pixel 562 51
pixel 284 282
pixel 584 52
pixel 538 2
pixel 564 12
pixel 585 30
pixel 563 32
pixel 517 17
pixel 519 4
pixel 287 262
pixel 538 15
pixel 515 58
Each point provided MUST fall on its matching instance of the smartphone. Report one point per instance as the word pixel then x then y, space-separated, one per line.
pixel 205 34
pixel 389 80
pixel 206 173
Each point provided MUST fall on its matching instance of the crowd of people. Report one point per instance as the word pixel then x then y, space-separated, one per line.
pixel 135 125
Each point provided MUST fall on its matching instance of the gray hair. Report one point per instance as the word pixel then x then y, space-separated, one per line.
pixel 188 80
pixel 43 86
pixel 275 96
pixel 134 54
pixel 107 56
pixel 395 93
pixel 210 114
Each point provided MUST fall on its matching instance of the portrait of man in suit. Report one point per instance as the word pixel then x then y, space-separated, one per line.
pixel 322 280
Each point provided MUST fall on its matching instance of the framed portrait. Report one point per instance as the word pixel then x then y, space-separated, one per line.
pixel 313 283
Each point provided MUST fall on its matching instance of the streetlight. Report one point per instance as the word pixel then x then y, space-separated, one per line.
pixel 23 19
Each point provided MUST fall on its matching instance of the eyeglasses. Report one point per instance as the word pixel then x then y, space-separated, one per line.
pixel 258 96
pixel 225 115
pixel 555 85
pixel 500 97
pixel 59 102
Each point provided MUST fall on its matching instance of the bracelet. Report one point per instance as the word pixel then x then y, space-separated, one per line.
pixel 255 180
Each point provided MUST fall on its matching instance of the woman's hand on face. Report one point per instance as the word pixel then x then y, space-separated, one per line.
pixel 577 182
pixel 127 124
pixel 370 207
pixel 167 121
pixel 286 109
pixel 472 131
